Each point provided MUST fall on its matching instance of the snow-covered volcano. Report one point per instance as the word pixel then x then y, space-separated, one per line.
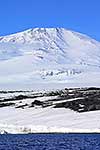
pixel 48 58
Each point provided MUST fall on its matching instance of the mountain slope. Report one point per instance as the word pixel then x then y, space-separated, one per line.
pixel 48 57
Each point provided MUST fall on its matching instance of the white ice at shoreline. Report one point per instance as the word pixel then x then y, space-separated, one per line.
pixel 48 120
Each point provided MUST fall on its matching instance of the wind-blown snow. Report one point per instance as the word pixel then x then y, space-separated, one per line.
pixel 42 58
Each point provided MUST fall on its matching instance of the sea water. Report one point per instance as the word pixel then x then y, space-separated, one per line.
pixel 50 142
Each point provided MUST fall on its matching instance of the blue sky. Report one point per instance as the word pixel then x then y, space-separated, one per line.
pixel 79 15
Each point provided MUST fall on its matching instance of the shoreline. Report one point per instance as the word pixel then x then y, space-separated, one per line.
pixel 12 129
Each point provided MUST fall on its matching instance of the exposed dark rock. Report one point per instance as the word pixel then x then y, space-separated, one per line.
pixel 76 99
pixel 22 106
pixel 36 102
pixel 6 104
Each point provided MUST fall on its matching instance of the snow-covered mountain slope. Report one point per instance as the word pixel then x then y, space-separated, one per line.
pixel 48 57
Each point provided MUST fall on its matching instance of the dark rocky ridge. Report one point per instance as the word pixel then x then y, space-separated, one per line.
pixel 76 99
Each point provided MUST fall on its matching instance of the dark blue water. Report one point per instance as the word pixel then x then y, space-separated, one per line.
pixel 50 142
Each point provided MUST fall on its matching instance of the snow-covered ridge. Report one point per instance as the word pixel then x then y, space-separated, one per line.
pixel 40 32
pixel 59 41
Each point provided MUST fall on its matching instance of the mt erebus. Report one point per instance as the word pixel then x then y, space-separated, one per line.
pixel 42 58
